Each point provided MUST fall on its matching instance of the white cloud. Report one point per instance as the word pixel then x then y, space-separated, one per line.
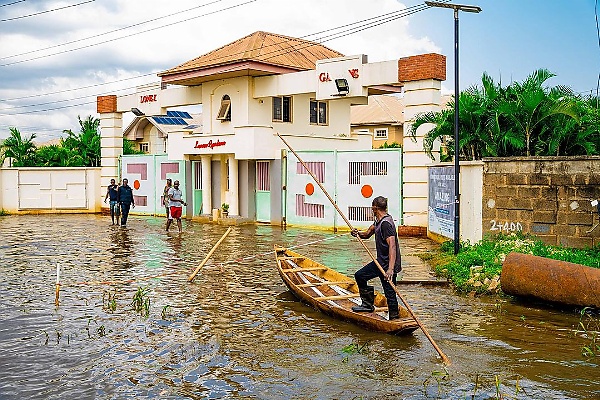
pixel 160 48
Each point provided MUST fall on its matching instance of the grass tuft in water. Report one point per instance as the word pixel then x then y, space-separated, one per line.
pixel 354 348
pixel 109 301
pixel 3 212
pixel 141 302
pixel 164 314
pixel 589 326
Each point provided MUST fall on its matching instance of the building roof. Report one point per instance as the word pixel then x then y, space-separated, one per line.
pixel 260 53
pixel 380 110
pixel 384 110
pixel 191 123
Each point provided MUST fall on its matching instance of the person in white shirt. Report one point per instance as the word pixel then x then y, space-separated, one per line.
pixel 176 204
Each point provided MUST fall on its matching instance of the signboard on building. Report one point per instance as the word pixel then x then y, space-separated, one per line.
pixel 441 201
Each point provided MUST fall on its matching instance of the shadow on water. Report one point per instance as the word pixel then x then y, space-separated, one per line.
pixel 236 332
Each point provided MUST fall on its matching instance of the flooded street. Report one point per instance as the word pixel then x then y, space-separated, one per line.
pixel 236 331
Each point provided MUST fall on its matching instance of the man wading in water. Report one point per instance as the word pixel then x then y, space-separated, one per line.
pixel 388 256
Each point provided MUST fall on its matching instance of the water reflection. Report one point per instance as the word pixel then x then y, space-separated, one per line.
pixel 236 332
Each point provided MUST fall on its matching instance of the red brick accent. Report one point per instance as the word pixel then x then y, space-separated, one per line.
pixel 412 231
pixel 421 67
pixel 106 104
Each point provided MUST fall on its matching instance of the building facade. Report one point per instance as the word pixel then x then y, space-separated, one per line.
pixel 251 91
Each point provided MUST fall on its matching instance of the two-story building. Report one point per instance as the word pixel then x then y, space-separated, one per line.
pixel 251 90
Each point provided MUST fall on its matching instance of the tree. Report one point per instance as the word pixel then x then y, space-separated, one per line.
pixel 57 156
pixel 86 143
pixel 516 120
pixel 129 147
pixel 529 105
pixel 21 150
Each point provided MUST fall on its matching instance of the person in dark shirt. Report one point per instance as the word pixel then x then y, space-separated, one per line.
pixel 125 199
pixel 388 256
pixel 111 192
pixel 166 197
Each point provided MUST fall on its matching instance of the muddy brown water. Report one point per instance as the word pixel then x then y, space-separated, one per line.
pixel 236 332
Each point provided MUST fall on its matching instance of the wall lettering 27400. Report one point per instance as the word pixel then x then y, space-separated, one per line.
pixel 506 226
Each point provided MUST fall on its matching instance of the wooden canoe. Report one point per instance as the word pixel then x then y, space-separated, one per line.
pixel 335 294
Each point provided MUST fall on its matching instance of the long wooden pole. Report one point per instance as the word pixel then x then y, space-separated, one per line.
pixel 191 278
pixel 57 289
pixel 445 359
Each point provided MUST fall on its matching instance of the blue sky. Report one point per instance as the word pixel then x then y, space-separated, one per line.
pixel 44 93
pixel 510 39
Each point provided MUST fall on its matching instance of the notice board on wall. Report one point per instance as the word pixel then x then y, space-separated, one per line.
pixel 441 201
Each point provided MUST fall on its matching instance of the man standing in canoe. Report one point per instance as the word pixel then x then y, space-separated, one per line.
pixel 388 256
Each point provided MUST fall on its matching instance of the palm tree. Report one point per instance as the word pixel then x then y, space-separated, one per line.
pixel 20 150
pixel 529 105
pixel 86 142
pixel 57 156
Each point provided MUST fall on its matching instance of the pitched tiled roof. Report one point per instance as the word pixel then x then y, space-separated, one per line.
pixel 263 47
pixel 384 110
pixel 380 110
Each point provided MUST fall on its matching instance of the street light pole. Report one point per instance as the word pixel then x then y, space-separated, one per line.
pixel 456 8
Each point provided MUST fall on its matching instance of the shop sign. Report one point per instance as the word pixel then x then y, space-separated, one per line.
pixel 324 77
pixel 209 145
pixel 148 98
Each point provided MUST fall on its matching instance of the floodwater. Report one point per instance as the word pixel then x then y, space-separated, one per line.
pixel 236 332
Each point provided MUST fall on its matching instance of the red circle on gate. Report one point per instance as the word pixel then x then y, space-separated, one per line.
pixel 366 191
pixel 310 189
pixel 136 184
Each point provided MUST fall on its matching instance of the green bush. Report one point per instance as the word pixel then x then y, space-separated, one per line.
pixel 477 267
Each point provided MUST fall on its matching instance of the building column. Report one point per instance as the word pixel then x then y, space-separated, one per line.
pixel 419 96
pixel 233 195
pixel 206 184
pixel 422 76
pixel 111 143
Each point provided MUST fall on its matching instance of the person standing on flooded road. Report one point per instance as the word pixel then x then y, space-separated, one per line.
pixel 176 204
pixel 388 256
pixel 168 186
pixel 125 199
pixel 111 192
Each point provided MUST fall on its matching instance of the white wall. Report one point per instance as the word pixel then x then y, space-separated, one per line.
pixel 50 190
pixel 471 195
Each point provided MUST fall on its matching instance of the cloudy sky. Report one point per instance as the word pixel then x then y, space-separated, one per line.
pixel 57 56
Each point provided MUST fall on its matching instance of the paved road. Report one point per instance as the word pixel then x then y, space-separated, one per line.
pixel 414 269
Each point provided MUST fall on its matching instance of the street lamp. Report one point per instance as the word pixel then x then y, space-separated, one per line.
pixel 456 8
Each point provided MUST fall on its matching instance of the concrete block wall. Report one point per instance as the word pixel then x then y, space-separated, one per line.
pixel 546 196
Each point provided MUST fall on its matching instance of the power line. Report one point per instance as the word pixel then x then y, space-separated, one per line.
pixel 126 36
pixel 323 39
pixel 10 4
pixel 46 11
pixel 379 20
pixel 109 32
pixel 80 88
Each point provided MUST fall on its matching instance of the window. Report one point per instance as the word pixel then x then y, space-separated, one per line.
pixel 225 110
pixel 318 112
pixel 381 134
pixel 262 176
pixel 282 109
pixel 145 147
